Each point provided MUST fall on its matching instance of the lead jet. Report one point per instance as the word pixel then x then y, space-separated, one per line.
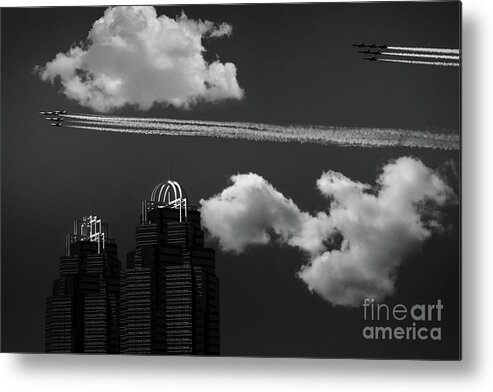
pixel 56 119
pixel 56 124
pixel 370 58
pixel 365 51
pixel 384 46
pixel 362 45
pixel 375 52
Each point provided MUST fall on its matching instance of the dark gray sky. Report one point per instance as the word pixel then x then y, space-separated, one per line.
pixel 296 65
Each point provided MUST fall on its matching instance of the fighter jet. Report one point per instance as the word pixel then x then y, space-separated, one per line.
pixel 56 119
pixel 362 45
pixel 56 124
pixel 365 51
pixel 384 46
pixel 370 58
pixel 375 52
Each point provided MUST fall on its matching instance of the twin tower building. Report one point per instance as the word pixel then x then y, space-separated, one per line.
pixel 166 300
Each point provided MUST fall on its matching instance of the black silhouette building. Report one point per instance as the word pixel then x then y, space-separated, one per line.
pixel 170 292
pixel 82 314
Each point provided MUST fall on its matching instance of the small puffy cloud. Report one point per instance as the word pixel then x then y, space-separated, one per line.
pixel 250 210
pixel 135 57
pixel 355 247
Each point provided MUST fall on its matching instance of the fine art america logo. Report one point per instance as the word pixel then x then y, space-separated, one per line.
pixel 419 322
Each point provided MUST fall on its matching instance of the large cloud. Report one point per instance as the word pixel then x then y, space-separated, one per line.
pixel 356 247
pixel 132 56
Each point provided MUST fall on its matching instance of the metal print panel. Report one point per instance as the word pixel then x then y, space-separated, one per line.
pixel 275 180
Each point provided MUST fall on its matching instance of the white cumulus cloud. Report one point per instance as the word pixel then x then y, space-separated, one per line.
pixel 251 210
pixel 133 56
pixel 355 247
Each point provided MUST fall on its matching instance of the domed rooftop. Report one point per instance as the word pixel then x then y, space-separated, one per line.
pixel 168 192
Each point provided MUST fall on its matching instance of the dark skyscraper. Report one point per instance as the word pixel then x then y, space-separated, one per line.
pixel 170 292
pixel 82 314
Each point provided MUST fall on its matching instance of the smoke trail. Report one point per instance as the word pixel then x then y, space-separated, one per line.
pixel 132 120
pixel 436 63
pixel 423 55
pixel 418 49
pixel 341 136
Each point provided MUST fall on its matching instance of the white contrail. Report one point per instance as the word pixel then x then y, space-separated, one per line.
pixel 435 63
pixel 131 120
pixel 342 136
pixel 423 55
pixel 418 49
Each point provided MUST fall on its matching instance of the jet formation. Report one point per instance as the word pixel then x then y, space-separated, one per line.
pixel 445 57
pixel 373 50
pixel 54 116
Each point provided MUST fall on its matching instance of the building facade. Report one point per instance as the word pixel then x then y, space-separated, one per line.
pixel 170 291
pixel 83 312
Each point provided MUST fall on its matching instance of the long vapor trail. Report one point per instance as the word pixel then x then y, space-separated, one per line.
pixel 429 50
pixel 326 135
pixel 422 55
pixel 435 63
